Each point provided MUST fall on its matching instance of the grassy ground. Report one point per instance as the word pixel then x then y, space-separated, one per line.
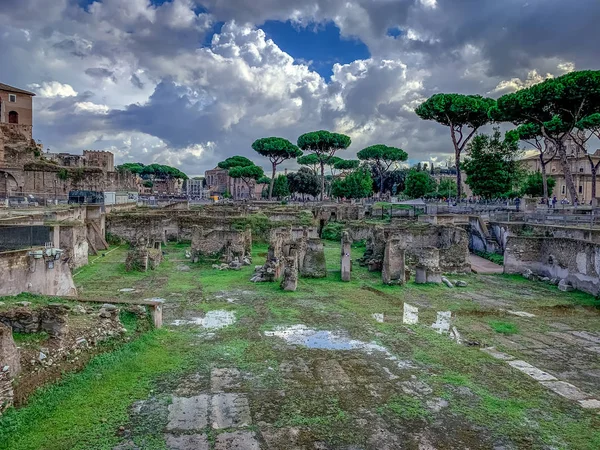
pixel 487 402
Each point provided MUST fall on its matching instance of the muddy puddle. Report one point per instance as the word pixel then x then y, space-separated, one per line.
pixel 330 340
pixel 213 320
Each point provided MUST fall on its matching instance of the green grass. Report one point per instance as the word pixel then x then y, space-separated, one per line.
pixel 84 410
pixel 504 327
pixel 27 339
pixel 405 407
pixel 493 257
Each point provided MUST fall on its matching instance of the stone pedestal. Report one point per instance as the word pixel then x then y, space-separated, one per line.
pixel 346 258
pixel 393 269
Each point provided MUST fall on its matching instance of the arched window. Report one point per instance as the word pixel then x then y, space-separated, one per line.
pixel 13 117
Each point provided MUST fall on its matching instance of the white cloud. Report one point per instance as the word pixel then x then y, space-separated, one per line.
pixel 91 107
pixel 52 89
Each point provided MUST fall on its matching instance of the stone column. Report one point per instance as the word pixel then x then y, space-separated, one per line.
pixel 346 258
pixel 393 263
pixel 290 272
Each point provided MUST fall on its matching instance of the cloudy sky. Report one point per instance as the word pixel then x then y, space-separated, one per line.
pixel 191 82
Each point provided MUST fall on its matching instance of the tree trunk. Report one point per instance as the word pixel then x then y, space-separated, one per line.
pixel 322 180
pixel 566 169
pixel 381 183
pixel 458 176
pixel 544 179
pixel 593 186
pixel 272 182
pixel 457 163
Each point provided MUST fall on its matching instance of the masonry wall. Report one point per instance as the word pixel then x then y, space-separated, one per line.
pixel 22 273
pixel 575 260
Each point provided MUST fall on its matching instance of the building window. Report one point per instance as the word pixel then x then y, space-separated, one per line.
pixel 554 169
pixel 581 189
pixel 13 117
pixel 12 98
pixel 581 169
pixel 562 190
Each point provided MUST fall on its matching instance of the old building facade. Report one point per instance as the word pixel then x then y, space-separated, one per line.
pixel 27 172
pixel 580 169
pixel 16 106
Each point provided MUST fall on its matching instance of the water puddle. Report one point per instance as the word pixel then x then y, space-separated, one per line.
pixel 329 340
pixel 213 320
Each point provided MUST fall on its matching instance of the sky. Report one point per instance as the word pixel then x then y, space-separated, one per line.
pixel 192 82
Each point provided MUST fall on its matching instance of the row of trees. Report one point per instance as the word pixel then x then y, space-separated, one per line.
pixel 546 115
pixel 349 178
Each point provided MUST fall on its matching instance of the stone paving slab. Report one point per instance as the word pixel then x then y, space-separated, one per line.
pixel 567 337
pixel 497 354
pixel 188 413
pixel 237 440
pixel 566 390
pixel 594 349
pixel 587 336
pixel 590 404
pixel 547 339
pixel 230 410
pixel 532 371
pixel 225 379
pixel 187 442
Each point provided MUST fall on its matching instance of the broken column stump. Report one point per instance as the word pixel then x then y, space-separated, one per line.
pixel 346 258
pixel 393 269
pixel 290 272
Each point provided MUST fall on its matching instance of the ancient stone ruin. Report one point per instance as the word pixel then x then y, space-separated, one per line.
pixel 346 258
pixel 10 366
pixel 225 244
pixel 427 269
pixel 300 244
pixel 142 256
pixel 290 272
pixel 451 242
pixel 393 268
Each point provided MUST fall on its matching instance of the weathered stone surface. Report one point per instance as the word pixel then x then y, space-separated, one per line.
pixel 187 442
pixel 230 410
pixel 411 314
pixel 331 373
pixel 237 440
pixel 393 269
pixel 532 371
pixel 565 286
pixel 314 260
pixel 188 413
pixel 496 354
pixel 225 379
pixel 442 324
pixel 290 272
pixel 223 242
pixel 447 282
pixel 592 403
pixel 566 390
pixel 346 258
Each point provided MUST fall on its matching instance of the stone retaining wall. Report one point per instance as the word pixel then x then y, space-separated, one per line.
pixel 576 261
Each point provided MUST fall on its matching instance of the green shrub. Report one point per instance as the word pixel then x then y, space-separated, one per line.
pixel 332 231
pixel 493 257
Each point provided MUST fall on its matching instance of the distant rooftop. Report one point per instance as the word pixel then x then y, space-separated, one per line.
pixel 6 87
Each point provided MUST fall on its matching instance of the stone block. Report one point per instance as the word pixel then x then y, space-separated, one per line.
pixel 238 440
pixel 188 413
pixel 230 410
pixel 393 268
pixel 187 442
pixel 313 265
pixel 411 314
